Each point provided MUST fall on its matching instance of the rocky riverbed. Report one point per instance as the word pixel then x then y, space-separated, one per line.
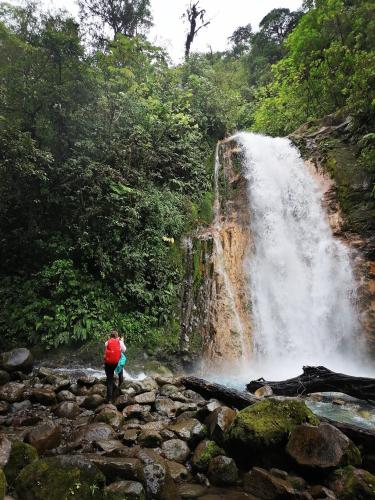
pixel 161 440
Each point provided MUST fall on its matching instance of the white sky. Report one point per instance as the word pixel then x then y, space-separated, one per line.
pixel 169 29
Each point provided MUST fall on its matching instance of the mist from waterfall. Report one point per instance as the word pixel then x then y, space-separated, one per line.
pixel 302 288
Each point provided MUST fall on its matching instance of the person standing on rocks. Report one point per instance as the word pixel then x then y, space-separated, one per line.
pixel 114 347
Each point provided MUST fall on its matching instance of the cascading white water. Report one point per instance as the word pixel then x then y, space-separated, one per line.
pixel 302 286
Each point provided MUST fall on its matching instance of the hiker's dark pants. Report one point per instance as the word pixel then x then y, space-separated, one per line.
pixel 110 372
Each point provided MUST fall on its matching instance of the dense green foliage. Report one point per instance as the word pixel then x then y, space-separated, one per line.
pixel 106 152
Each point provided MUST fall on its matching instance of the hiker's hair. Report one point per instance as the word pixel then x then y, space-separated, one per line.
pixel 114 334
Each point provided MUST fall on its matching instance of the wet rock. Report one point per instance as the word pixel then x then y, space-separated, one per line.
pixel 5 447
pixel 159 484
pixel 45 436
pixel 322 447
pixel 56 478
pixel 321 492
pixel 131 490
pixel 21 455
pixel 222 471
pixel 191 490
pixel 175 450
pixel 204 453
pixel 100 389
pixel 115 469
pixel 206 410
pixel 124 400
pixel 149 438
pixel 67 409
pixel 350 483
pixel 177 471
pixel 193 396
pixel 155 426
pixel 12 392
pixel 264 392
pixel 65 396
pixel 148 384
pixel 92 401
pixel 263 484
pixel 171 391
pixel 95 432
pixel 109 445
pixel 46 397
pixel 4 407
pixel 266 425
pixel 145 398
pixel 61 384
pixel 165 406
pixel 17 360
pixel 130 436
pixel 191 430
pixel 129 391
pixel 26 421
pixel 219 422
pixel 110 416
pixel 86 380
pixel 21 406
pixel 136 411
pixel 4 377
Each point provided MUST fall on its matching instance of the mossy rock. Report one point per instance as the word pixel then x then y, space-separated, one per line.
pixel 204 453
pixel 65 478
pixel 350 483
pixel 21 454
pixel 267 424
pixel 3 484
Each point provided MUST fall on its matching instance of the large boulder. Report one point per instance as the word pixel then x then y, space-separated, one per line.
pixel 94 432
pixel 21 455
pixel 131 490
pixel 322 447
pixel 191 430
pixel 117 468
pixel 204 453
pixel 92 401
pixel 175 450
pixel 45 396
pixel 157 478
pixel 45 436
pixel 269 486
pixel 67 409
pixel 219 422
pixel 17 360
pixel 222 471
pixel 59 478
pixel 12 392
pixel 264 427
pixel 350 483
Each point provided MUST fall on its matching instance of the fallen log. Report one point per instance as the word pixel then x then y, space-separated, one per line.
pixel 230 397
pixel 320 379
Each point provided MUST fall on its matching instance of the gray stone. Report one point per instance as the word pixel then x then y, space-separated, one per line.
pixel 136 411
pixel 191 430
pixel 145 398
pixel 94 432
pixel 222 471
pixel 117 468
pixel 129 490
pixel 177 471
pixel 67 409
pixel 321 447
pixel 175 450
pixel 19 359
pixel 219 422
pixel 264 392
pixel 44 396
pixel 130 436
pixel 5 447
pixel 124 400
pixel 86 380
pixel 92 401
pixel 65 396
pixel 191 490
pixel 12 392
pixel 149 438
pixel 263 484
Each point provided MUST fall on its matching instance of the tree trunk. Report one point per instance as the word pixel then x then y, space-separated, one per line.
pixel 230 397
pixel 320 379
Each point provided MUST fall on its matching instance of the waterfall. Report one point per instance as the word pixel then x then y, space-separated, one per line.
pixel 301 281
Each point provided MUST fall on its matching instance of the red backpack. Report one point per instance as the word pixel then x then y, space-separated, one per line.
pixel 113 352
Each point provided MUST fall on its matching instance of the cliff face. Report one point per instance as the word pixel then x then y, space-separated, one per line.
pixel 332 156
pixel 215 303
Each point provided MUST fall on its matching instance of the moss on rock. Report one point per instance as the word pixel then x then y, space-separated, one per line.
pixel 268 423
pixel 350 483
pixel 204 453
pixel 68 478
pixel 21 454
pixel 3 484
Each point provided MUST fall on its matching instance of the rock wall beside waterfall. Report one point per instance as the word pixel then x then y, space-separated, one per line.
pixel 330 154
pixel 215 304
